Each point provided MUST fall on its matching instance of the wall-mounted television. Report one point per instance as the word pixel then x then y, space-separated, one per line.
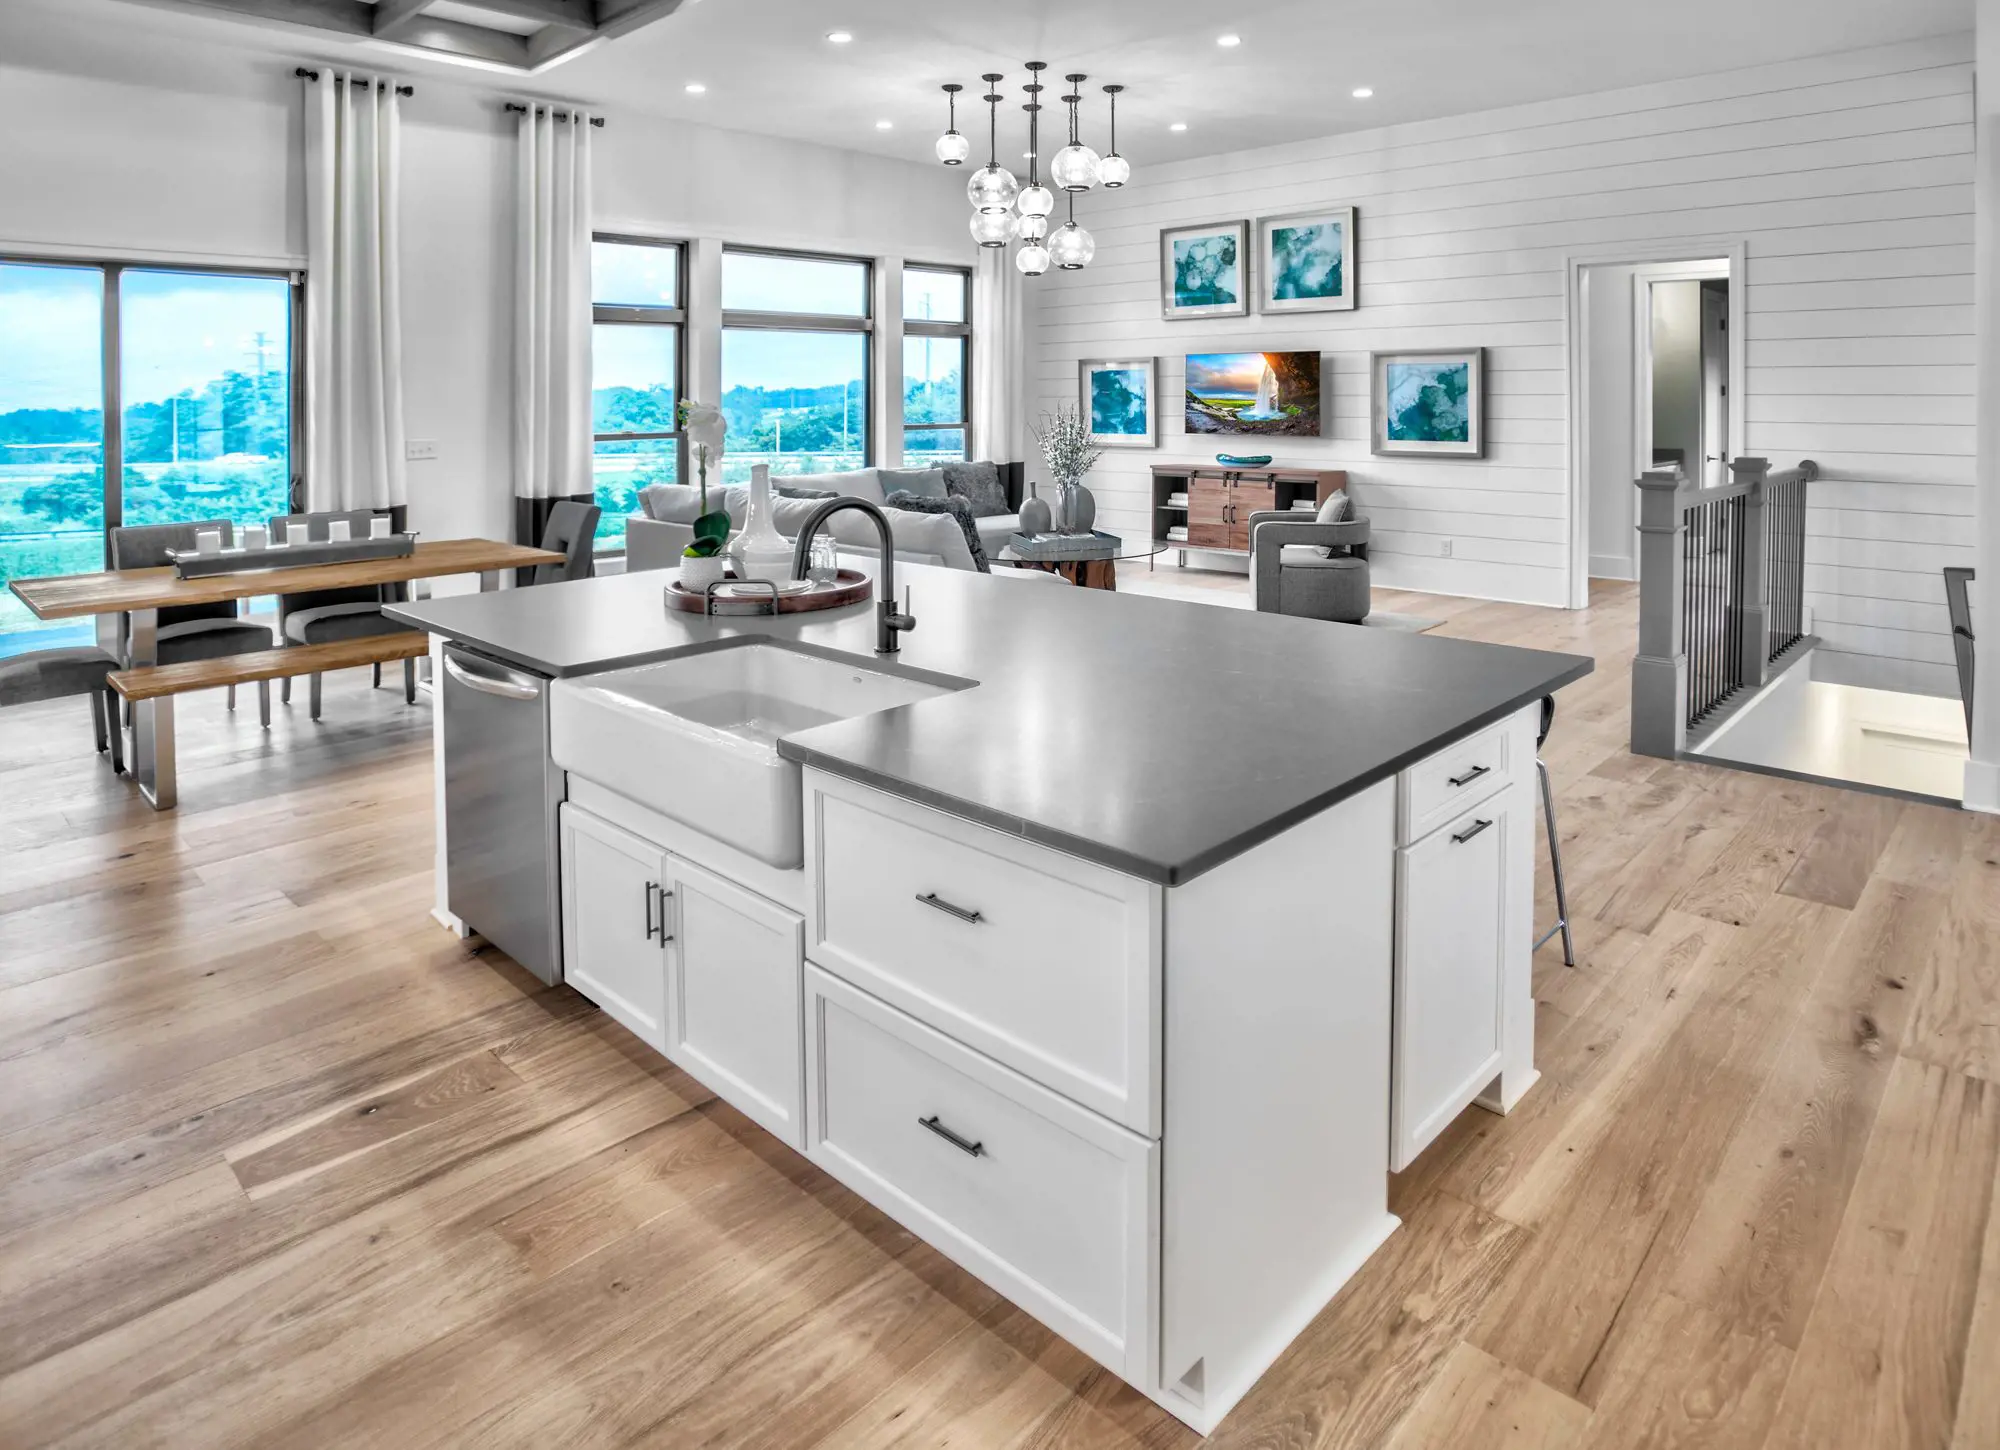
pixel 1253 392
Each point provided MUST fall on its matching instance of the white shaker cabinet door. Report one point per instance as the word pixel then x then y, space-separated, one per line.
pixel 614 946
pixel 1451 932
pixel 735 1013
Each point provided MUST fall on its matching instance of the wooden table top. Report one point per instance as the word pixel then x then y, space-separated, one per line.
pixel 118 590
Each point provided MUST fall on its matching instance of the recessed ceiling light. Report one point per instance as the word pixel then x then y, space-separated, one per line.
pixel 1178 126
pixel 1228 42
pixel 840 37
pixel 1362 93
pixel 885 125
pixel 696 88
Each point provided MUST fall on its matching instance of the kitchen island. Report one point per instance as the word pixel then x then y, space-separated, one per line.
pixel 1119 947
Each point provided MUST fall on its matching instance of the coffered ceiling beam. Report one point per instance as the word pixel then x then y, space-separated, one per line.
pixel 393 17
pixel 614 18
pixel 569 14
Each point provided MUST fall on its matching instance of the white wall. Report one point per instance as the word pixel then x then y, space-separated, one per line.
pixel 1848 176
pixel 149 147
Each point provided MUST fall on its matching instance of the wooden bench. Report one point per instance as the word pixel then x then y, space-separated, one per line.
pixel 160 683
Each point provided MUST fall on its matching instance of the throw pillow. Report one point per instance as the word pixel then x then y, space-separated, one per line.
pixel 959 509
pixel 979 485
pixel 923 482
pixel 1337 509
pixel 783 491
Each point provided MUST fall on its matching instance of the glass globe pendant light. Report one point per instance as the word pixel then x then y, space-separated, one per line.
pixel 1035 200
pixel 1032 228
pixel 992 228
pixel 1033 259
pixel 1113 169
pixel 952 147
pixel 992 187
pixel 1071 248
pixel 1075 166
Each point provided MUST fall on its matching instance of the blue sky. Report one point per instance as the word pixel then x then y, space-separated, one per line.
pixel 181 331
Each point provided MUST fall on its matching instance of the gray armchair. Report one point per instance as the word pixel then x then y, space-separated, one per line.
pixel 1290 575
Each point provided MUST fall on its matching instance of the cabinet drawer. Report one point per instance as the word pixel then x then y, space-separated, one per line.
pixel 1049 963
pixel 1048 1203
pixel 1437 788
pixel 1452 934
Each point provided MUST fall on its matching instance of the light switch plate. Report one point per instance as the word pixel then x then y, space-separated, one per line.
pixel 416 450
pixel 1444 548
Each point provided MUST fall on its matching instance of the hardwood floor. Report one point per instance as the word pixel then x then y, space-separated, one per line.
pixel 283 1164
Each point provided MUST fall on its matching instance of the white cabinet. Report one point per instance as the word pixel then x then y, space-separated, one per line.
pixel 1453 919
pixel 734 1011
pixel 612 898
pixel 697 967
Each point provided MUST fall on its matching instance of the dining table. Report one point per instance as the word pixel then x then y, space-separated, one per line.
pixel 127 605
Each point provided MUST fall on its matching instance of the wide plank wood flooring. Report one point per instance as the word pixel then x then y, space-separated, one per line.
pixel 282 1163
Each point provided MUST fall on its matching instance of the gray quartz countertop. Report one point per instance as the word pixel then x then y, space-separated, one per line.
pixel 1157 737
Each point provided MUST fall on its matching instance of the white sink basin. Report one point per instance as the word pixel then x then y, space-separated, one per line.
pixel 697 738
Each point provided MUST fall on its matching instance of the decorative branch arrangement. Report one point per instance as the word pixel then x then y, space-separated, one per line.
pixel 1066 445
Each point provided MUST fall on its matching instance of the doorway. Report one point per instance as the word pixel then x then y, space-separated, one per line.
pixel 1655 370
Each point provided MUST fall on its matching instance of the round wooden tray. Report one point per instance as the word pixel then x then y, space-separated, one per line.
pixel 851 587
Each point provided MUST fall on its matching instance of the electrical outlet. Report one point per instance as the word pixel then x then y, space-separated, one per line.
pixel 417 450
pixel 1444 548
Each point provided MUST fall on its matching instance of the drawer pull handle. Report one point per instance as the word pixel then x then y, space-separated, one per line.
pixel 1469 832
pixel 665 897
pixel 931 898
pixel 971 1150
pixel 651 887
pixel 1471 775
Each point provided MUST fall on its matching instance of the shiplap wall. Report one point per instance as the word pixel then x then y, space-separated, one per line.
pixel 1848 176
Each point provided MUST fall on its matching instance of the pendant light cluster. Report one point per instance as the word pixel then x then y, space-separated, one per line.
pixel 1003 210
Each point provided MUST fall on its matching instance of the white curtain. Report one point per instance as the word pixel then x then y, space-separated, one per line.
pixel 552 444
pixel 354 312
pixel 999 358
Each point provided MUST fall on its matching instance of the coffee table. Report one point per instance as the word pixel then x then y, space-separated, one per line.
pixel 1097 569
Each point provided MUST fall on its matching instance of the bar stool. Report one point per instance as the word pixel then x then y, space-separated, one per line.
pixel 1555 841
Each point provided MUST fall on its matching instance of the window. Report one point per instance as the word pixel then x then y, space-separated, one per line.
pixel 937 347
pixel 637 325
pixel 199 367
pixel 796 333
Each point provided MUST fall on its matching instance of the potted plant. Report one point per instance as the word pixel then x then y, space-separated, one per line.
pixel 1069 454
pixel 702 562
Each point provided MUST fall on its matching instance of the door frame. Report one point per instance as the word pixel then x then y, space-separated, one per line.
pixel 1576 334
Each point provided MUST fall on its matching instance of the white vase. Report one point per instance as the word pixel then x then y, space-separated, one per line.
pixel 698 574
pixel 759 551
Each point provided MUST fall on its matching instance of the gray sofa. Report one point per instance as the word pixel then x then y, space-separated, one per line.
pixel 655 536
pixel 1303 567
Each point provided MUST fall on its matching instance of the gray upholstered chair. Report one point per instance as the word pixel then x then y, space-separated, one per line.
pixel 188 631
pixel 571 531
pixel 53 673
pixel 1291 572
pixel 328 615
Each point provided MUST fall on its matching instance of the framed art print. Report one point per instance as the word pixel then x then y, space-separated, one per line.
pixel 1305 263
pixel 1205 271
pixel 1120 401
pixel 1428 404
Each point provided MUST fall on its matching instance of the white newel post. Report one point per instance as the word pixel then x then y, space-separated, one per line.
pixel 1982 771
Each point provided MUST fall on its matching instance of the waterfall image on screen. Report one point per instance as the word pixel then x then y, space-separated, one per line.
pixel 1253 392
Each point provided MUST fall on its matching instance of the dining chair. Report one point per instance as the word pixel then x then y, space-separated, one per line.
pixel 323 616
pixel 188 631
pixel 572 532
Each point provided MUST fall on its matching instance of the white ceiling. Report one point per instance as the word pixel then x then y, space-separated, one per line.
pixel 768 67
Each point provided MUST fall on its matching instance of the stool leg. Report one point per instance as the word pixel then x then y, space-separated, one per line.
pixel 285 690
pixel 232 697
pixel 376 684
pixel 315 697
pixel 1556 864
pixel 97 708
pixel 117 734
pixel 409 682
pixel 264 703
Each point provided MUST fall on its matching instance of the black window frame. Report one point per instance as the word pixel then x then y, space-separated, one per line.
pixel 111 345
pixel 923 327
pixel 628 315
pixel 750 320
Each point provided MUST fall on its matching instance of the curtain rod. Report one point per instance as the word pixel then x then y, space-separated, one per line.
pixel 305 74
pixel 559 115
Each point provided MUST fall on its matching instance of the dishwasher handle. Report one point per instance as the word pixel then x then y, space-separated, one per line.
pixel 507 686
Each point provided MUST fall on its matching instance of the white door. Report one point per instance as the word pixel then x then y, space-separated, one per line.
pixel 1715 383
pixel 734 978
pixel 614 948
pixel 1451 929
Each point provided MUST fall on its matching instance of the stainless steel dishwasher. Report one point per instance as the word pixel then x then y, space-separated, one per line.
pixel 501 791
